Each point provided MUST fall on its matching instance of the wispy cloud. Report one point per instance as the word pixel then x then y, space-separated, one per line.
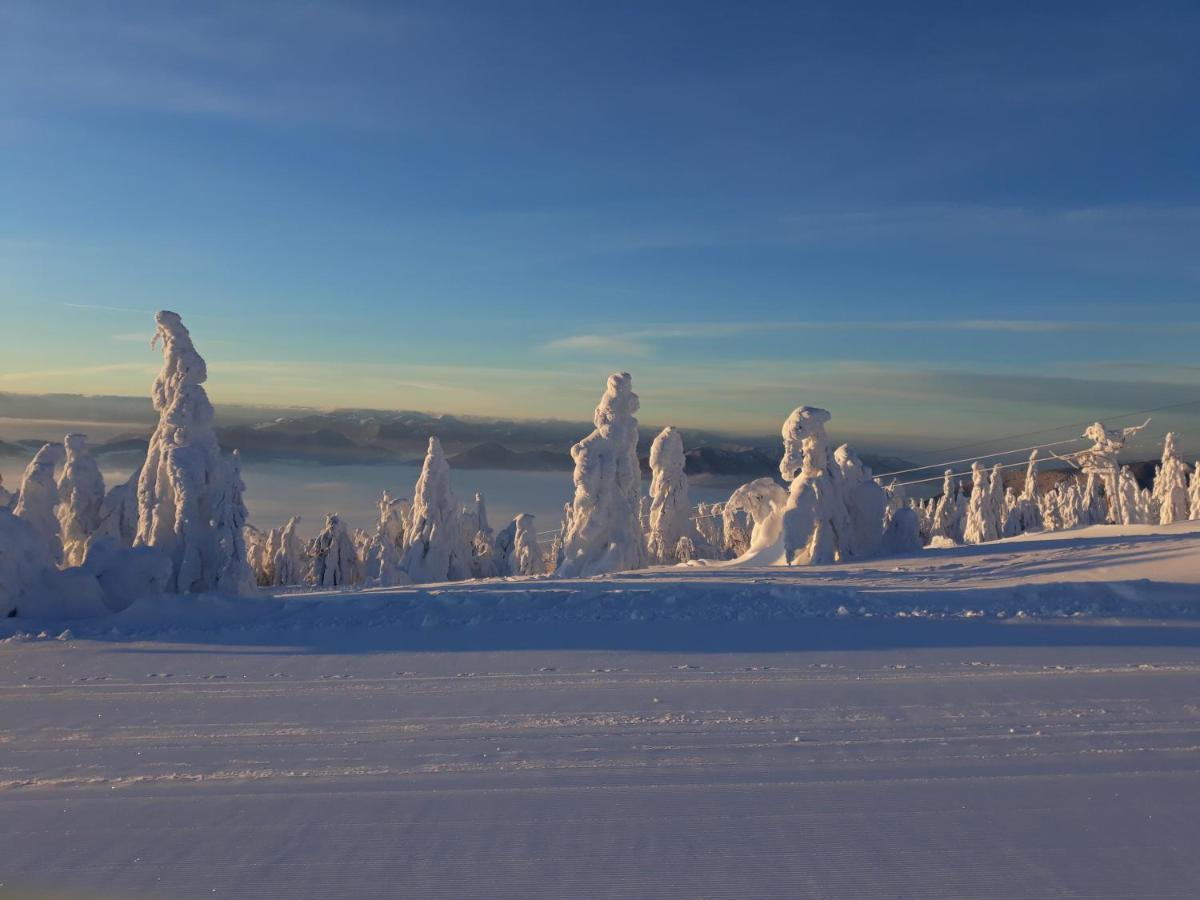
pixel 640 341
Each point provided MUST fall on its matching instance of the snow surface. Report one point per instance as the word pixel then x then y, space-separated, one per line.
pixel 963 723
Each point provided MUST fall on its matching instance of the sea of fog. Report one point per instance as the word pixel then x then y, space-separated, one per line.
pixel 277 490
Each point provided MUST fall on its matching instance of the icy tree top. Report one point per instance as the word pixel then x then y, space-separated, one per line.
pixel 618 404
pixel 182 365
pixel 805 446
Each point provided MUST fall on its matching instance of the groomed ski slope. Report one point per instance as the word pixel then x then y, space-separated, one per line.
pixel 1014 720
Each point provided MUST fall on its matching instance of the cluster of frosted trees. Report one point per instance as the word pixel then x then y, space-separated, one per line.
pixel 427 539
pixel 1102 492
pixel 71 546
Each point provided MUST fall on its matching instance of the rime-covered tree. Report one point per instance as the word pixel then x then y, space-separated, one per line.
pixel 436 549
pixel 187 501
pixel 604 533
pixel 384 557
pixel 119 512
pixel 38 500
pixel 333 559
pixel 1194 492
pixel 286 555
pixel 815 520
pixel 752 516
pixel 866 505
pixel 81 494
pixel 1171 484
pixel 526 556
pixel 949 517
pixel 981 525
pixel 670 510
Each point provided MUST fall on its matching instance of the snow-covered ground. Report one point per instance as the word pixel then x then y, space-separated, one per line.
pixel 1016 719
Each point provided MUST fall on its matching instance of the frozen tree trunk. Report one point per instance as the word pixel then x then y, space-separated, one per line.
pixel 603 532
pixel 436 549
pixel 333 560
pixel 670 510
pixel 39 498
pixel 81 493
pixel 187 499
pixel 1171 484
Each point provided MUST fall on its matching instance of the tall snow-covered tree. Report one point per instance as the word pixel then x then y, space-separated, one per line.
pixel 187 501
pixel 436 549
pixel 1171 484
pixel 81 494
pixel 815 520
pixel 949 517
pixel 384 556
pixel 752 516
pixel 286 555
pixel 526 557
pixel 670 510
pixel 866 506
pixel 38 500
pixel 604 533
pixel 981 525
pixel 333 559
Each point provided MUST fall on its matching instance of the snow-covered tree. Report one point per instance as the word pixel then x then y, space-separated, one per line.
pixel 383 560
pixel 604 533
pixel 1128 507
pixel 903 533
pixel 751 517
pixel 480 539
pixel 709 524
pixel 436 549
pixel 982 521
pixel 188 506
pixel 229 520
pixel 815 520
pixel 866 506
pixel 286 555
pixel 81 494
pixel 1194 492
pixel 39 498
pixel 333 559
pixel 119 512
pixel 670 510
pixel 526 556
pixel 1171 484
pixel 1099 463
pixel 949 517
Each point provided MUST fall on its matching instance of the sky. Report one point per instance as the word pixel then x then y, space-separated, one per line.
pixel 939 220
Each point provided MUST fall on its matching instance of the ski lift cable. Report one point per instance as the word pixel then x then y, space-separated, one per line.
pixel 1084 424
pixel 957 474
pixel 953 462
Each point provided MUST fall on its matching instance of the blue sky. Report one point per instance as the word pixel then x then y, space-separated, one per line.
pixel 937 220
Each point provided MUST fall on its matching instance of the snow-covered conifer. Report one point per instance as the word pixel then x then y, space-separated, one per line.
pixel 1171 484
pixel 436 549
pixel 866 505
pixel 604 533
pixel 383 560
pixel 526 556
pixel 981 525
pixel 119 512
pixel 815 520
pixel 187 502
pixel 287 557
pixel 39 498
pixel 333 560
pixel 751 517
pixel 949 515
pixel 81 493
pixel 670 511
